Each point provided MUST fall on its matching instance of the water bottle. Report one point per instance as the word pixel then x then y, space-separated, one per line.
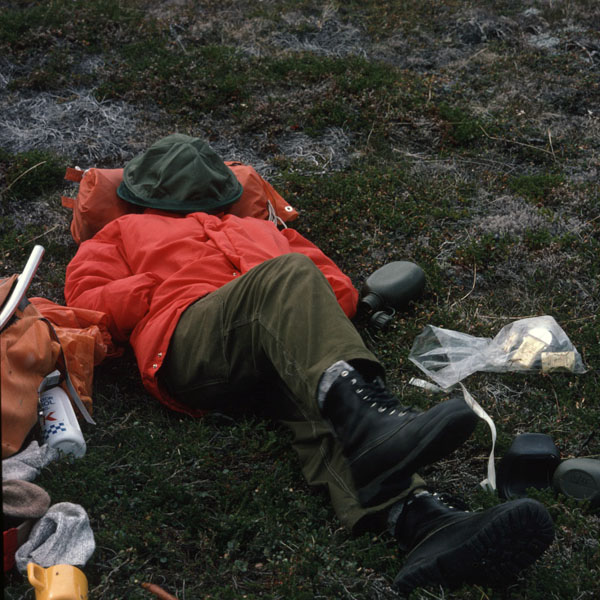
pixel 390 288
pixel 60 426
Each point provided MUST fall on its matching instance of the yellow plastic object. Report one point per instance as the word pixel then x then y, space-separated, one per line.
pixel 59 582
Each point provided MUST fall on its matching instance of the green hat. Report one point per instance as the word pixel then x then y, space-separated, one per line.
pixel 182 174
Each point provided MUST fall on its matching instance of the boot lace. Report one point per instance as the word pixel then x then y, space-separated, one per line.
pixel 379 398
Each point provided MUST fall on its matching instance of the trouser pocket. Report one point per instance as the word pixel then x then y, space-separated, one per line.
pixel 196 369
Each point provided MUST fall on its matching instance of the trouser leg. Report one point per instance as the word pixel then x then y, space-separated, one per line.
pixel 279 319
pixel 324 465
pixel 279 323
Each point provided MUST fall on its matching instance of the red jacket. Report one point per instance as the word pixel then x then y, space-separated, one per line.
pixel 144 270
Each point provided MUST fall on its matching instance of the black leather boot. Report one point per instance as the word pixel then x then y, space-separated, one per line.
pixel 451 547
pixel 385 443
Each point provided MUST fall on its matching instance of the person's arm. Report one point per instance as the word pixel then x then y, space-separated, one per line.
pixel 99 278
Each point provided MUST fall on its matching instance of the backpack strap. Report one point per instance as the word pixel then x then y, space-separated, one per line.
pixel 74 174
pixel 271 204
pixel 53 378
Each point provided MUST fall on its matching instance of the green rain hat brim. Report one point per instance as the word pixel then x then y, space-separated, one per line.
pixel 166 204
pixel 182 174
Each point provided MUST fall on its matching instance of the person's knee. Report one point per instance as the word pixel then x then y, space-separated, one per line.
pixel 296 264
pixel 295 260
pixel 295 273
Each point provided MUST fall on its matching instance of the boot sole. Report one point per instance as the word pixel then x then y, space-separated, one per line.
pixel 492 557
pixel 445 436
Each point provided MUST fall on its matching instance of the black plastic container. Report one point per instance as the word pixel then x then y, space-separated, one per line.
pixel 529 463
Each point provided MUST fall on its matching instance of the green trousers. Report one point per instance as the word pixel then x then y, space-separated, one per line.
pixel 261 343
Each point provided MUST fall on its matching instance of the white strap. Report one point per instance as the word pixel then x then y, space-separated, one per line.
pixel 490 482
pixel 273 216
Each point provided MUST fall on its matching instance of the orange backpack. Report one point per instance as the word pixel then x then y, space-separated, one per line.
pixel 36 338
pixel 97 202
pixel 28 354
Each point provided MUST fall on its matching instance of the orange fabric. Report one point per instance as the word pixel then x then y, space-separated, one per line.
pixel 6 286
pixel 85 341
pixel 256 196
pixel 144 270
pixel 97 202
pixel 27 355
pixel 29 352
pixel 65 317
pixel 68 202
pixel 74 174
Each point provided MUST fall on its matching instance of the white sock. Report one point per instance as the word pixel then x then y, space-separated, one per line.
pixel 327 379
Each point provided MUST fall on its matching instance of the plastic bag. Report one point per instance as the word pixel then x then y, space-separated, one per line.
pixel 527 345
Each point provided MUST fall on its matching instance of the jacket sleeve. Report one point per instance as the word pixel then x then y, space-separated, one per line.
pixel 346 293
pixel 99 278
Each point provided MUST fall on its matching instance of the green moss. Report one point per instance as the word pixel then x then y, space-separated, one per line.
pixel 535 187
pixel 354 92
pixel 30 174
pixel 458 126
pixel 15 24
pixel 485 251
pixel 352 75
pixel 536 239
pixel 206 79
pixel 87 25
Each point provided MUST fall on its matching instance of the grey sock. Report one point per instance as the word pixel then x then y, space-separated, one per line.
pixel 328 377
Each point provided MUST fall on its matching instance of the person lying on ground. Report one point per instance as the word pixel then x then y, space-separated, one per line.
pixel 227 313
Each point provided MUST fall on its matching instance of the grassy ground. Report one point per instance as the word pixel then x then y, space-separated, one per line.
pixel 462 136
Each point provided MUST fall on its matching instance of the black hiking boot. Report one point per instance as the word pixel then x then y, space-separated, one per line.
pixel 385 443
pixel 451 547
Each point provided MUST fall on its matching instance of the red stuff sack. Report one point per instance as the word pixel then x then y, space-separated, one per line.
pixel 259 198
pixel 96 203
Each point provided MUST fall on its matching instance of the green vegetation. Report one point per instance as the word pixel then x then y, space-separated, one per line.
pixel 30 174
pixel 535 187
pixel 462 138
pixel 460 128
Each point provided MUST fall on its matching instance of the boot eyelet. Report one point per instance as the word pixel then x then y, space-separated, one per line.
pixel 381 409
pixel 344 373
